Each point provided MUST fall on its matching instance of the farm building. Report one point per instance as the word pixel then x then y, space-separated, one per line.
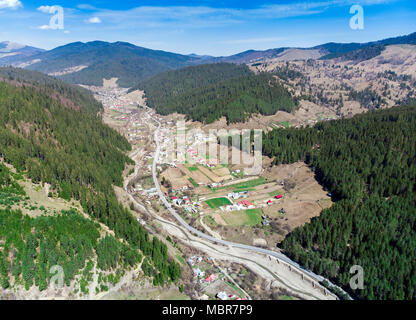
pixel 211 278
pixel 246 203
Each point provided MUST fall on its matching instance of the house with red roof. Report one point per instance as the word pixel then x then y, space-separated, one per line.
pixel 211 278
pixel 246 203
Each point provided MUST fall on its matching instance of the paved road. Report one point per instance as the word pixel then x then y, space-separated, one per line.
pixel 277 255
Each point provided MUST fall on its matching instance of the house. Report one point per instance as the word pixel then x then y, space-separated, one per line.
pixel 222 295
pixel 211 278
pixel 196 271
pixel 234 195
pixel 199 273
pixel 266 222
pixel 191 262
pixel 269 202
pixel 246 203
pixel 279 196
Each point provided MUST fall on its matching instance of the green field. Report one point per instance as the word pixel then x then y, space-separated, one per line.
pixel 218 202
pixel 275 193
pixel 243 186
pixel 254 216
pixel 180 259
pixel 285 124
pixel 242 190
pixel 210 221
pixel 192 169
pixel 251 217
pixel 193 182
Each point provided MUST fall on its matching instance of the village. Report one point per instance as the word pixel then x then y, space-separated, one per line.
pixel 218 198
pixel 202 187
pixel 213 280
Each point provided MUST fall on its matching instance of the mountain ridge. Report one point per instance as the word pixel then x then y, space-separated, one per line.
pixel 10 52
pixel 89 62
pixel 100 59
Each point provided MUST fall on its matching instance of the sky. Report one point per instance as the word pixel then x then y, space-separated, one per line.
pixel 203 27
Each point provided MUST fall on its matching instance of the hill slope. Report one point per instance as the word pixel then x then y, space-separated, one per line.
pixel 70 95
pixel 208 92
pixel 11 52
pixel 363 51
pixel 324 51
pixel 53 140
pixel 88 63
pixel 369 165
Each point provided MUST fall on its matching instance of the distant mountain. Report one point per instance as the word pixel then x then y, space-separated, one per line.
pixel 336 50
pixel 251 55
pixel 203 57
pixel 11 52
pixel 324 51
pixel 88 63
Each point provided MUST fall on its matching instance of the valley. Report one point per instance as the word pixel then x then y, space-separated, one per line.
pixel 346 88
pixel 134 123
pixel 105 172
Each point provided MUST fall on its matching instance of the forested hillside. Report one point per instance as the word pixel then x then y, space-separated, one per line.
pixel 53 140
pixel 207 93
pixel 363 51
pixel 358 55
pixel 66 239
pixel 121 60
pixel 175 82
pixel 70 95
pixel 369 165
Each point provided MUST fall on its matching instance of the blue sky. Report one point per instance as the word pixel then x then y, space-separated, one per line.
pixel 205 26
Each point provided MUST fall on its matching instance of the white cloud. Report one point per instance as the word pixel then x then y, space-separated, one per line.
pixel 205 17
pixel 10 4
pixel 93 20
pixel 44 27
pixel 46 9
pixel 85 6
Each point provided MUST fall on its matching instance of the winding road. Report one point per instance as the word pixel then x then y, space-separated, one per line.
pixel 200 234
